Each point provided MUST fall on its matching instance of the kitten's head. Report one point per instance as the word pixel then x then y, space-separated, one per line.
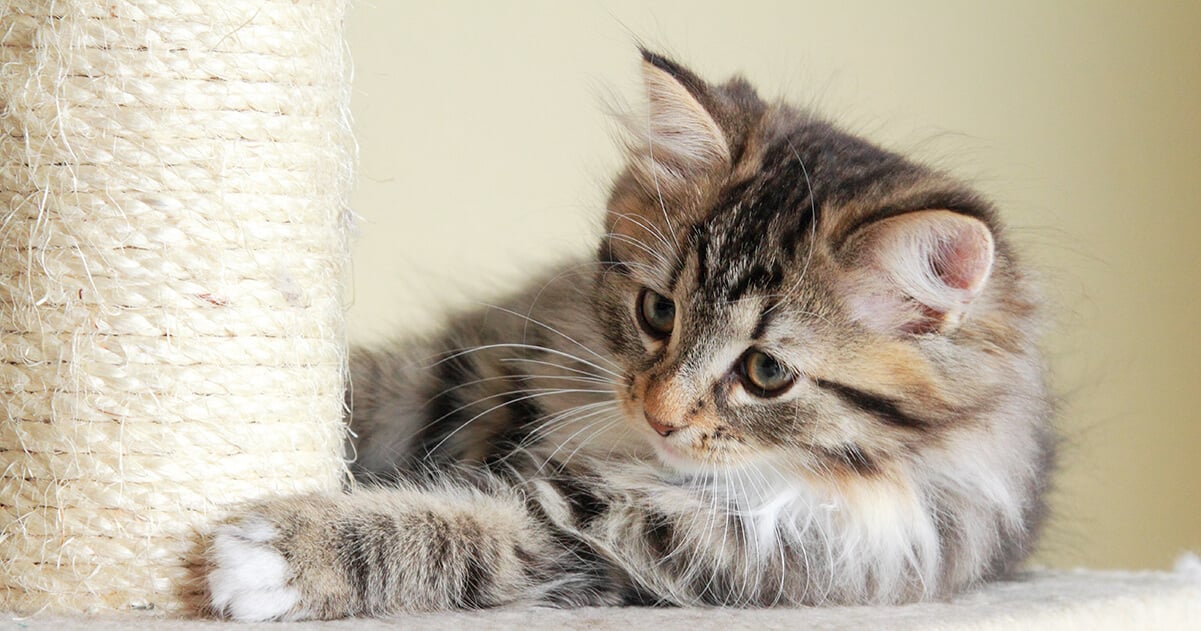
pixel 783 293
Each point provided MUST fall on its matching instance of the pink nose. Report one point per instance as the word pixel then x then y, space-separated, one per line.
pixel 660 428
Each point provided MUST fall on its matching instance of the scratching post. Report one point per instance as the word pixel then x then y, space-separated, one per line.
pixel 173 180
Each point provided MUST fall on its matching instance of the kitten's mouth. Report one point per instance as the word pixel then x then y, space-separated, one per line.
pixel 664 445
pixel 685 448
pixel 673 445
pixel 687 451
pixel 673 453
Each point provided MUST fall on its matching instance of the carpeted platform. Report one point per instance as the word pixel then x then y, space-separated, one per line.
pixel 1042 600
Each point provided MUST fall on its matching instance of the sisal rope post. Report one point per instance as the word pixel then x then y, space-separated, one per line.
pixel 173 187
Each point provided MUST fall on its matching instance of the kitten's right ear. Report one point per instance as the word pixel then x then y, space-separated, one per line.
pixel 918 272
pixel 679 137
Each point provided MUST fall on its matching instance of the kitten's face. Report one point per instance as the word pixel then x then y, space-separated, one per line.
pixel 782 293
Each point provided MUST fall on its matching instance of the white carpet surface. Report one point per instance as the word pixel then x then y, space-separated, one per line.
pixel 1041 600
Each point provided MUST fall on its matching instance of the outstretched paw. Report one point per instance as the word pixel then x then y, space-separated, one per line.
pixel 250 579
pixel 278 560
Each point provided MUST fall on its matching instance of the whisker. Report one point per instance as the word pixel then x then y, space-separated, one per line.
pixel 604 425
pixel 563 443
pixel 650 150
pixel 812 224
pixel 547 392
pixel 648 227
pixel 658 256
pixel 533 347
pixel 560 367
pixel 748 524
pixel 624 432
pixel 513 377
pixel 550 424
pixel 552 329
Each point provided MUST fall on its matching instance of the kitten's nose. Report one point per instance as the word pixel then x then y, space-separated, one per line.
pixel 660 428
pixel 659 402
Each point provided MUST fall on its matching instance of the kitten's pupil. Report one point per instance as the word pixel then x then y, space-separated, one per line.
pixel 657 313
pixel 766 376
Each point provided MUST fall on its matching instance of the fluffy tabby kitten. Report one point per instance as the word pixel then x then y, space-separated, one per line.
pixel 799 369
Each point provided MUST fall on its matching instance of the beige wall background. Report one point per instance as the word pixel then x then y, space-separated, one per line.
pixel 485 153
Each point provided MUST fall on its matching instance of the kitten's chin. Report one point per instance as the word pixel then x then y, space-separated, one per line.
pixel 675 458
pixel 685 459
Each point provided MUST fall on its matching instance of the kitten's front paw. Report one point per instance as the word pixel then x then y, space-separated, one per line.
pixel 250 579
pixel 278 560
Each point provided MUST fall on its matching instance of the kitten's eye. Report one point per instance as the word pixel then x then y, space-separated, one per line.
pixel 656 313
pixel 765 376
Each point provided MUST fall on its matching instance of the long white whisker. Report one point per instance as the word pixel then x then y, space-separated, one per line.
pixel 568 440
pixel 552 329
pixel 659 256
pixel 495 395
pixel 764 488
pixel 648 227
pixel 475 382
pixel 551 391
pixel 604 425
pixel 650 150
pixel 711 524
pixel 624 432
pixel 812 224
pixel 550 424
pixel 560 367
pixel 747 530
pixel 533 347
pixel 563 418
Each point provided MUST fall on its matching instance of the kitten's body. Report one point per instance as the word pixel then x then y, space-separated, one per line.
pixel 548 449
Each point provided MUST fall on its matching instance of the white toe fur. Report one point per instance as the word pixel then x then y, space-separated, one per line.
pixel 249 579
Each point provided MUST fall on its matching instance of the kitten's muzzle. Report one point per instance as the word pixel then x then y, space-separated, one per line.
pixel 660 428
pixel 661 399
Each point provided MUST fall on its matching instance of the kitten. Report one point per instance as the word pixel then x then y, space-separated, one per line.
pixel 800 369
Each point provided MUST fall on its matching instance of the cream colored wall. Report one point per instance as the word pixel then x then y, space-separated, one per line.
pixel 485 154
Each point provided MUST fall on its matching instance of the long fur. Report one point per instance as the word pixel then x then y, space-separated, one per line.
pixel 513 458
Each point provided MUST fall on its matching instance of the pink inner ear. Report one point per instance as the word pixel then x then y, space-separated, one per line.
pixel 964 260
pixel 919 271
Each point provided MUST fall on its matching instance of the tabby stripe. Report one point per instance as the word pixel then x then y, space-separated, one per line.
pixel 585 505
pixel 879 406
pixel 523 413
pixel 959 202
pixel 446 412
pixel 477 579
pixel 354 558
pixel 758 277
pixel 362 549
pixel 792 236
pixel 660 534
pixel 702 254
pixel 591 574
pixel 852 456
pixel 715 587
pixel 765 316
pixel 609 261
pixel 633 595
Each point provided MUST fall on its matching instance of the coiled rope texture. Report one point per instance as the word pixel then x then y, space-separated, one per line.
pixel 173 182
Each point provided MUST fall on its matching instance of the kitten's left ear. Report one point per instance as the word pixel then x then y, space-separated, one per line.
pixel 918 272
pixel 681 136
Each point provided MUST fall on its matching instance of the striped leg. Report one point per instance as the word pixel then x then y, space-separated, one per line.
pixel 382 551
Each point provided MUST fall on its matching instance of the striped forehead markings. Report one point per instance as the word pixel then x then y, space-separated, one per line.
pixel 751 234
pixel 765 316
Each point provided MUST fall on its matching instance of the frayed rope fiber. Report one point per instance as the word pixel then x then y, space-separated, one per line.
pixel 173 241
